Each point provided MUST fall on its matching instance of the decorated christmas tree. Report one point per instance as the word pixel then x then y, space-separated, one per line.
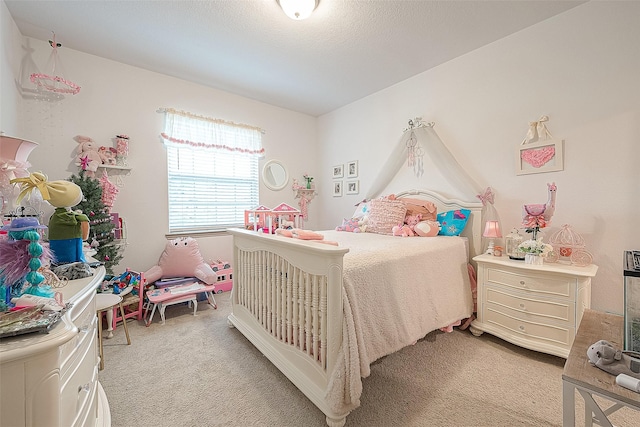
pixel 101 231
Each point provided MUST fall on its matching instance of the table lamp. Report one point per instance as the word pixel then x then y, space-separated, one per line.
pixel 491 231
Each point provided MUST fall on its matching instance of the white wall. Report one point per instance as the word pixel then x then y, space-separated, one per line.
pixel 116 98
pixel 581 69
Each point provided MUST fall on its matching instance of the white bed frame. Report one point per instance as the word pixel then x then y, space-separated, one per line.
pixel 287 300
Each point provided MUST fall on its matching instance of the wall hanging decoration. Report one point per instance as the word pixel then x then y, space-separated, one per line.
pixel 353 187
pixel 429 141
pixel 414 149
pixel 337 188
pixel 55 81
pixel 305 193
pixel 539 152
pixel 352 169
pixel 338 171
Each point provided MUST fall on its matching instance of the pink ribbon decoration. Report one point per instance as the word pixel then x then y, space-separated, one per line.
pixel 487 196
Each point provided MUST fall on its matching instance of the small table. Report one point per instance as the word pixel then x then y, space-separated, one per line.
pixel 589 380
pixel 108 302
pixel 161 298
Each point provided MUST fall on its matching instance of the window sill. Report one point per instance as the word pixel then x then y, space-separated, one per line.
pixel 202 233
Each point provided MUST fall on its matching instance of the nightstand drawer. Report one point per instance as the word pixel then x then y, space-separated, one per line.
pixel 544 284
pixel 530 305
pixel 531 331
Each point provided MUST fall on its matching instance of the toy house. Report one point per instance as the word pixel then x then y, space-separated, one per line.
pixel 287 216
pixel 258 218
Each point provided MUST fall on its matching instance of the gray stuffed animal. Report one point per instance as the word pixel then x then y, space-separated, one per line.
pixel 605 356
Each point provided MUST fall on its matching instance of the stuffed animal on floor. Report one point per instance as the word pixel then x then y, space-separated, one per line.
pixel 181 258
pixel 605 356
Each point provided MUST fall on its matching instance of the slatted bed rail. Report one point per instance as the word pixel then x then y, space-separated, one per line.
pixel 287 300
pixel 289 303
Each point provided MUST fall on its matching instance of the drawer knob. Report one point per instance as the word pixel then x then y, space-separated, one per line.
pixel 521 328
pixel 522 306
pixel 522 282
pixel 85 387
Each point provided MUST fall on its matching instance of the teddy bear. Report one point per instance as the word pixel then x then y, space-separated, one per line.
pixel 107 155
pixel 407 229
pixel 88 157
pixel 605 356
pixel 351 225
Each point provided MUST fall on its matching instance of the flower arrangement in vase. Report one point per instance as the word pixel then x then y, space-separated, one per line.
pixel 535 251
pixel 308 180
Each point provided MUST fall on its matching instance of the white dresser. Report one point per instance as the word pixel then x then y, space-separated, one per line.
pixel 51 380
pixel 534 306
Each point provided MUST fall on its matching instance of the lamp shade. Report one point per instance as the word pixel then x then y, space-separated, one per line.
pixel 15 148
pixel 492 230
pixel 298 9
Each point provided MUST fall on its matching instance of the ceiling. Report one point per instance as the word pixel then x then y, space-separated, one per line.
pixel 346 50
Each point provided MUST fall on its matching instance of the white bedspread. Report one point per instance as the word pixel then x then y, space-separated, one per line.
pixel 396 290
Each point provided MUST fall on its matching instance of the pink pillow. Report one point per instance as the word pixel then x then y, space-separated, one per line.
pixel 428 210
pixel 384 214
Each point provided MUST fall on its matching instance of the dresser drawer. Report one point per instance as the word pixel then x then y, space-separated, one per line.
pixel 530 306
pixel 79 385
pixel 543 284
pixel 86 322
pixel 531 331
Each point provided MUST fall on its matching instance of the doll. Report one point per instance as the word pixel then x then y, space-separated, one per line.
pixel 21 256
pixel 67 228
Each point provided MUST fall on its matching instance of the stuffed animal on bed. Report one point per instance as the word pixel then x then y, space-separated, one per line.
pixel 407 229
pixel 181 258
pixel 427 228
pixel 351 225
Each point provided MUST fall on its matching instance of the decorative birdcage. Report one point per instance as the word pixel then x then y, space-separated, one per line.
pixel 569 246
pixel 512 245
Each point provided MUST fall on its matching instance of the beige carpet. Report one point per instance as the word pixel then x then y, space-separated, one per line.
pixel 196 371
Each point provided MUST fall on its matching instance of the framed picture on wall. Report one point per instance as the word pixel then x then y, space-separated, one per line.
pixel 541 156
pixel 353 187
pixel 338 171
pixel 352 169
pixel 337 188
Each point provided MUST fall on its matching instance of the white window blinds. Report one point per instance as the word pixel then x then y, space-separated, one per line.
pixel 212 171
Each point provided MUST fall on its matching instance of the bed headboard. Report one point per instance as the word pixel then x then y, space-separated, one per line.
pixel 473 229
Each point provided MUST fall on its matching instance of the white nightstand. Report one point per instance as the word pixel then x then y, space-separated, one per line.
pixel 538 307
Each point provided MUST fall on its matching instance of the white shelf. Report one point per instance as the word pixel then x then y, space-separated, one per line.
pixel 124 168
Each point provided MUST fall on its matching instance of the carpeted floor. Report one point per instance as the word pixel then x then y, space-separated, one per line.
pixel 196 371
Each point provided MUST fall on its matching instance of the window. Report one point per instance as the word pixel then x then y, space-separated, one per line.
pixel 212 171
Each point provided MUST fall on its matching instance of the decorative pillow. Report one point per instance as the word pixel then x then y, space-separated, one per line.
pixel 384 214
pixel 418 206
pixel 427 228
pixel 453 222
pixel 362 210
pixel 351 225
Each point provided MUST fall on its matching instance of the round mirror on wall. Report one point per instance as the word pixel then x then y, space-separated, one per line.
pixel 274 175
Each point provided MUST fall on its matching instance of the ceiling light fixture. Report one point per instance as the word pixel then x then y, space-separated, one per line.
pixel 298 9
